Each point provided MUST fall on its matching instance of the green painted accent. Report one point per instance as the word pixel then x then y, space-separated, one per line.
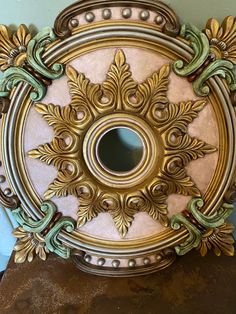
pixel 31 225
pixel 200 44
pixel 195 235
pixel 222 68
pixel 51 239
pixel 36 48
pixel 193 240
pixel 213 221
pixel 15 75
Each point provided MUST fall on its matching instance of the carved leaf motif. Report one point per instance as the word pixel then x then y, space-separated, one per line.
pixel 213 29
pixel 122 218
pixel 189 149
pixel 6 46
pixel 13 47
pixel 152 201
pixel 86 214
pixel 62 119
pixel 119 85
pixel 22 36
pixel 158 211
pixel 222 38
pixel 152 94
pixel 41 252
pixel 85 95
pixel 220 240
pixel 89 203
pixel 179 116
pixel 179 182
pixel 28 245
pixel 55 153
pixel 65 184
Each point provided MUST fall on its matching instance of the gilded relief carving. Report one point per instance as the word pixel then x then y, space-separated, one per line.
pixel 41 237
pixel 149 102
pixel 13 46
pixel 206 233
pixel 30 64
pixel 222 38
pixel 29 245
pixel 219 240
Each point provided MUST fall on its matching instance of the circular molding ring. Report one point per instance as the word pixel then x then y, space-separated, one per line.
pixel 146 186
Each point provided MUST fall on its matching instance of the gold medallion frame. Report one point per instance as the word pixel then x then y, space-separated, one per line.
pixel 203 225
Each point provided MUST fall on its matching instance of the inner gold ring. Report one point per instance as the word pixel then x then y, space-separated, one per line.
pixel 152 151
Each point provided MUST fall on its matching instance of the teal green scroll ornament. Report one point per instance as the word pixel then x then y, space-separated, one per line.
pixel 15 75
pixel 35 50
pixel 200 45
pixel 34 58
pixel 212 221
pixel 30 225
pixel 222 68
pixel 198 67
pixel 194 234
pixel 51 239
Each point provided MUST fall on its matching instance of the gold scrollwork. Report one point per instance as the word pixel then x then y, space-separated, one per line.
pixel 219 240
pixel 13 47
pixel 168 153
pixel 28 245
pixel 222 38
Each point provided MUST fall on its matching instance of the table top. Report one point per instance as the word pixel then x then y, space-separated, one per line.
pixel 57 286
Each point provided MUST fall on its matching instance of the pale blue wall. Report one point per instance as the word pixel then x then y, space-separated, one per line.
pixel 42 12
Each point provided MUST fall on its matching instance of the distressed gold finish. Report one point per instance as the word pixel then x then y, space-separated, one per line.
pixel 13 47
pixel 119 102
pixel 149 265
pixel 28 245
pixel 144 108
pixel 222 38
pixel 160 240
pixel 7 201
pixel 219 240
pixel 166 17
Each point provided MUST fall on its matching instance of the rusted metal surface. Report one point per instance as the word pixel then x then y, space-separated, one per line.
pixel 193 285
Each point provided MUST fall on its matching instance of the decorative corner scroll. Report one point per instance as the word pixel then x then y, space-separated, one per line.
pixel 21 60
pixel 206 232
pixel 214 54
pixel 41 237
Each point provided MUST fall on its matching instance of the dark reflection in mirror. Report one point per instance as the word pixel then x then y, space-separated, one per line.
pixel 120 150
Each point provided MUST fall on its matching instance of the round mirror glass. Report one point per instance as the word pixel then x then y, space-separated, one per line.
pixel 120 150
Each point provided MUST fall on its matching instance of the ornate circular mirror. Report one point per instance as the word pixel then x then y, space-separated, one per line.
pixel 118 136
